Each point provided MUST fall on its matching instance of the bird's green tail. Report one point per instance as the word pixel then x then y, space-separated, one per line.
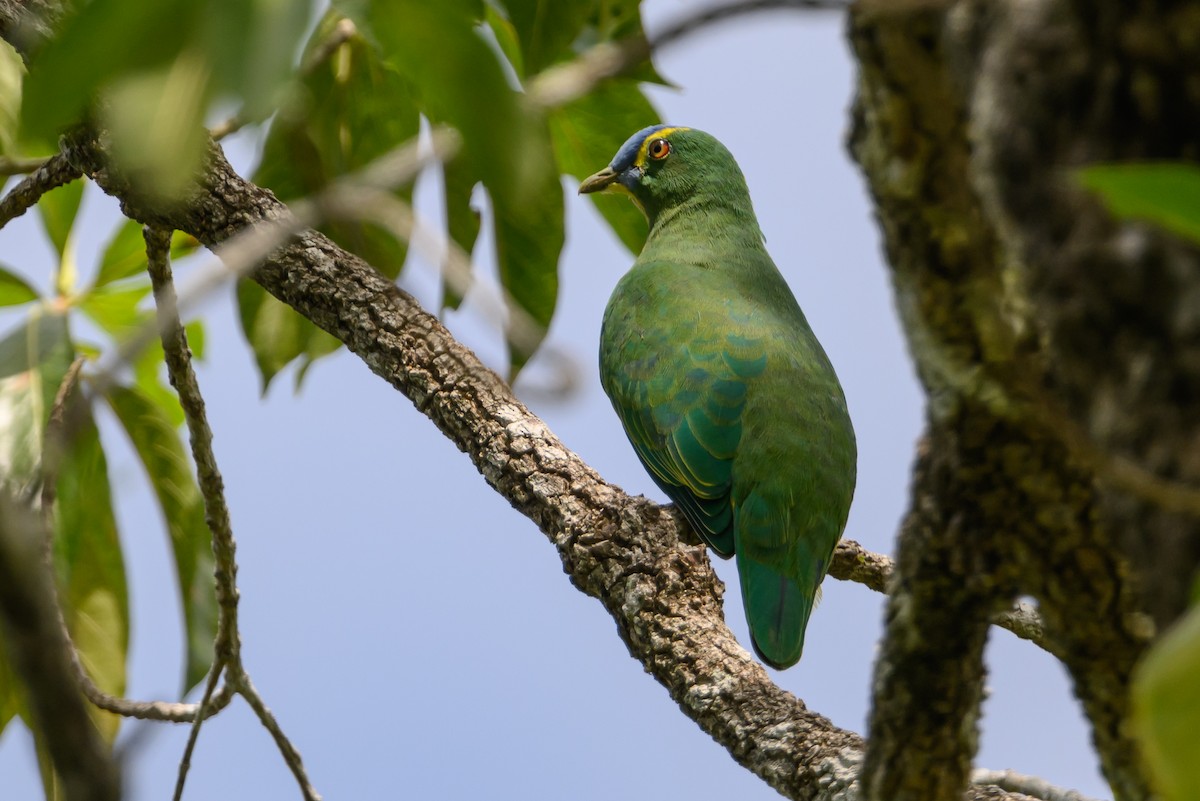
pixel 777 609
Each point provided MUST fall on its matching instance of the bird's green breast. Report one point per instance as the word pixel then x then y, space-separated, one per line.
pixel 677 336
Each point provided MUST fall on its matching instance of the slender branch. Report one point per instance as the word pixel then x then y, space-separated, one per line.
pixel 185 761
pixel 60 428
pixel 57 170
pixel 57 435
pixel 852 562
pixel 183 378
pixel 1024 621
pixel 163 711
pixel 179 369
pixel 1031 786
pixel 291 756
pixel 562 83
pixel 227 646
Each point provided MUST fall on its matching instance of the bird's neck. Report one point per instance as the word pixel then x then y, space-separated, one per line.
pixel 702 227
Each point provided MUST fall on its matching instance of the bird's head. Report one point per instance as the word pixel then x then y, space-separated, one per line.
pixel 664 166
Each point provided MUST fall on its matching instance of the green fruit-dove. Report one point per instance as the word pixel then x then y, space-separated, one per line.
pixel 724 391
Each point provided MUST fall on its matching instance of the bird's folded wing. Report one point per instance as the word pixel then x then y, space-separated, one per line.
pixel 685 422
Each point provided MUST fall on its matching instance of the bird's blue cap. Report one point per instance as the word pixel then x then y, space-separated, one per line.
pixel 628 153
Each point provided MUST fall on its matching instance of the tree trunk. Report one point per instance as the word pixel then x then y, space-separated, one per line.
pixel 1060 350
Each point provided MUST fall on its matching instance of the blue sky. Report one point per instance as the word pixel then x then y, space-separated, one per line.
pixel 413 633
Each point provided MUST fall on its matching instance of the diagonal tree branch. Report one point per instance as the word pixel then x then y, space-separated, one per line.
pixel 624 551
pixel 52 174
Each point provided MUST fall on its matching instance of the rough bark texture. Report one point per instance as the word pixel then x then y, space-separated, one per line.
pixel 1053 343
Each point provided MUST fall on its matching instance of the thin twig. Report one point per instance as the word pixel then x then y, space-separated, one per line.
pixel 183 378
pixel 852 562
pixel 164 711
pixel 291 756
pixel 227 646
pixel 216 513
pixel 562 83
pixel 54 443
pixel 1031 786
pixel 54 173
pixel 60 429
pixel 1024 621
pixel 185 762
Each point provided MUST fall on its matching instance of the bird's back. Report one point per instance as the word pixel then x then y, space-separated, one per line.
pixel 736 412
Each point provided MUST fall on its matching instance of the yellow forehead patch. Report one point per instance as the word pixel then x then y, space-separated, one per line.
pixel 640 161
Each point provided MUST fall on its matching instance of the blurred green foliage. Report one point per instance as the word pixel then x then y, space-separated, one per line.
pixel 1164 193
pixel 1166 709
pixel 327 97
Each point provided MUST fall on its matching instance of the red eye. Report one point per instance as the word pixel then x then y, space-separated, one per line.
pixel 659 149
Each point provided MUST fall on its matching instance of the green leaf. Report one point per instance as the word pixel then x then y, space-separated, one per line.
pixel 116 308
pixel 125 253
pixel 613 20
pixel 149 373
pixel 506 37
pixel 103 40
pixel 58 209
pixel 546 29
pixel 462 221
pixel 529 238
pixel 459 79
pixel 1165 193
pixel 90 565
pixel 156 120
pixel 1166 709
pixel 277 334
pixel 357 109
pixel 588 132
pixel 155 438
pixel 318 344
pixel 34 358
pixel 252 45
pixel 10 700
pixel 196 338
pixel 12 73
pixel 13 289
